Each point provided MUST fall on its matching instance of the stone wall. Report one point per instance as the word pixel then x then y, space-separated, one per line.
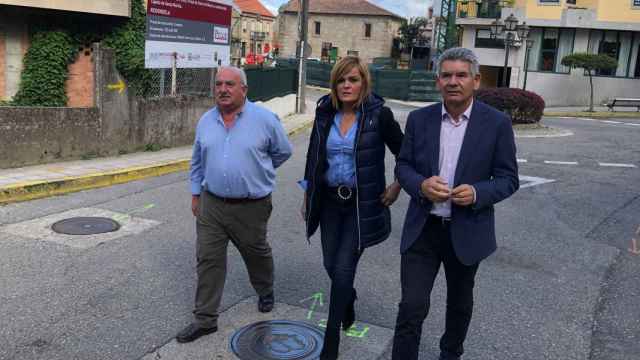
pixel 345 32
pixel 32 135
pixel 120 122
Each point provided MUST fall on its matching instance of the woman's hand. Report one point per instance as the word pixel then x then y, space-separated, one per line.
pixel 390 194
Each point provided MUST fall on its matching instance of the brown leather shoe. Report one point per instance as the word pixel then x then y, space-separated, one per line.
pixel 265 303
pixel 193 332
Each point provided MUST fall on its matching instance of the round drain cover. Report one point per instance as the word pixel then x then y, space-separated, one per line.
pixel 277 339
pixel 85 226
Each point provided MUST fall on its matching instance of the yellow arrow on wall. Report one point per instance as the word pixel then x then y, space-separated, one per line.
pixel 120 86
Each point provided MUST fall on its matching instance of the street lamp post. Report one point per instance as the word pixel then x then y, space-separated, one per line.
pixel 526 62
pixel 515 34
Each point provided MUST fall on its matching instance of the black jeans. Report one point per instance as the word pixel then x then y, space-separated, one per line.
pixel 339 237
pixel 419 267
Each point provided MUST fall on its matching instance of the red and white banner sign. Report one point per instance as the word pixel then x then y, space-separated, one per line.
pixel 214 12
pixel 194 32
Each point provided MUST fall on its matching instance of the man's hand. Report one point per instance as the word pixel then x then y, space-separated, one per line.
pixel 195 204
pixel 435 189
pixel 303 208
pixel 462 195
pixel 390 194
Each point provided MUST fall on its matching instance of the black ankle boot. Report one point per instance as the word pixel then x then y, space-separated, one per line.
pixel 350 313
pixel 331 344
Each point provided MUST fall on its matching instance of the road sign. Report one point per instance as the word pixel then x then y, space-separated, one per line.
pixel 197 33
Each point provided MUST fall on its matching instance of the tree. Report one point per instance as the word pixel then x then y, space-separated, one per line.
pixel 411 30
pixel 590 63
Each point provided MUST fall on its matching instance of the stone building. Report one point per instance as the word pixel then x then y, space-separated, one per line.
pixel 255 29
pixel 338 28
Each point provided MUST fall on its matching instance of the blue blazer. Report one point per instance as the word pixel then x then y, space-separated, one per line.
pixel 487 161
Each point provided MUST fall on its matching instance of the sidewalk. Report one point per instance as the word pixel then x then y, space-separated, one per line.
pixel 33 182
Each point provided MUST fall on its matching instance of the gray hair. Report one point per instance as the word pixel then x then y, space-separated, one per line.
pixel 237 70
pixel 459 53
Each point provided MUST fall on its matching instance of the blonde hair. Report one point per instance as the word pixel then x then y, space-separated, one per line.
pixel 341 69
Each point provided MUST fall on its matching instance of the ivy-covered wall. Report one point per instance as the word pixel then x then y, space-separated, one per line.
pixel 54 44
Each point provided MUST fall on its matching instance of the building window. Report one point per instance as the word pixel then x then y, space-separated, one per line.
pixel 635 56
pixel 326 49
pixel 484 40
pixel 244 49
pixel 367 30
pixel 548 49
pixel 623 46
pixel 549 1
pixel 550 45
pixel 317 23
pixel 636 3
pixel 571 2
pixel 352 53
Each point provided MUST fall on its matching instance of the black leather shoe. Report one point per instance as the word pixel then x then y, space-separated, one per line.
pixel 265 303
pixel 193 332
pixel 350 314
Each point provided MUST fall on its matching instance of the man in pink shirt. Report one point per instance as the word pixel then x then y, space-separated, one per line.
pixel 458 159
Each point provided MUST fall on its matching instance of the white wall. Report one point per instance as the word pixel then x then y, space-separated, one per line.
pixel 281 106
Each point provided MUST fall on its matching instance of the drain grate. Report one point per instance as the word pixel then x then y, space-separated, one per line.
pixel 85 226
pixel 277 340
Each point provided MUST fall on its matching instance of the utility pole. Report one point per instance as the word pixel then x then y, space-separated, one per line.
pixel 302 56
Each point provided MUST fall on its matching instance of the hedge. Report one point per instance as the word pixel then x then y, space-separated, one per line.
pixel 524 107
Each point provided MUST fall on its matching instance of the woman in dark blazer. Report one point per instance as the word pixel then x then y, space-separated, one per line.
pixel 345 188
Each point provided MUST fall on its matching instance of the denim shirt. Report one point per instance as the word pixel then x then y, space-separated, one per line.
pixel 239 162
pixel 341 154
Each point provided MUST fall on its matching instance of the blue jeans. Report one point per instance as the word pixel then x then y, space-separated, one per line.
pixel 339 237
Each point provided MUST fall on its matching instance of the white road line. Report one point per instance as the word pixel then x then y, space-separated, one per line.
pixel 522 160
pixel 561 162
pixel 612 122
pixel 533 181
pixel 617 165
pixel 632 124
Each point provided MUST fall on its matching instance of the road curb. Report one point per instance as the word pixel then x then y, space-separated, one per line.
pixel 45 188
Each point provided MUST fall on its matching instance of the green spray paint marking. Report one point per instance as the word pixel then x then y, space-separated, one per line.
pixel 352 332
pixel 127 215
pixel 317 299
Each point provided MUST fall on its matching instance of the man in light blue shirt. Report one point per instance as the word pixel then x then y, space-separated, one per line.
pixel 237 148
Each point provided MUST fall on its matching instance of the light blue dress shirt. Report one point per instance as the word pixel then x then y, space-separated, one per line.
pixel 238 162
pixel 341 154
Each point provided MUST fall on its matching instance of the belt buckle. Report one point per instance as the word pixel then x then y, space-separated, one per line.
pixel 348 195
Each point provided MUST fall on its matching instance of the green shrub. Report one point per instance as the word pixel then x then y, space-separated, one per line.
pixel 524 107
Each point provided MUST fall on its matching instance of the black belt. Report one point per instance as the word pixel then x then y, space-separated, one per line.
pixel 439 219
pixel 342 192
pixel 236 200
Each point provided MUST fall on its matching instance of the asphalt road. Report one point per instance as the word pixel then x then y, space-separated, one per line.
pixel 562 285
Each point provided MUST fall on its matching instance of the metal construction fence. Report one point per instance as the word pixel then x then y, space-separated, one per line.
pixel 264 83
pixel 395 84
pixel 269 82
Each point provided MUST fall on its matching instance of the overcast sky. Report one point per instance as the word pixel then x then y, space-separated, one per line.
pixel 405 8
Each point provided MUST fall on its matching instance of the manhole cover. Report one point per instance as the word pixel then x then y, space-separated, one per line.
pixel 85 226
pixel 277 339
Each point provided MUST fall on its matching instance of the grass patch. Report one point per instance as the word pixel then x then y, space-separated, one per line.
pixel 595 114
pixel 534 126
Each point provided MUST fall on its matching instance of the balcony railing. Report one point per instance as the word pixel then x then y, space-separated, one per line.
pixel 258 35
pixel 483 10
